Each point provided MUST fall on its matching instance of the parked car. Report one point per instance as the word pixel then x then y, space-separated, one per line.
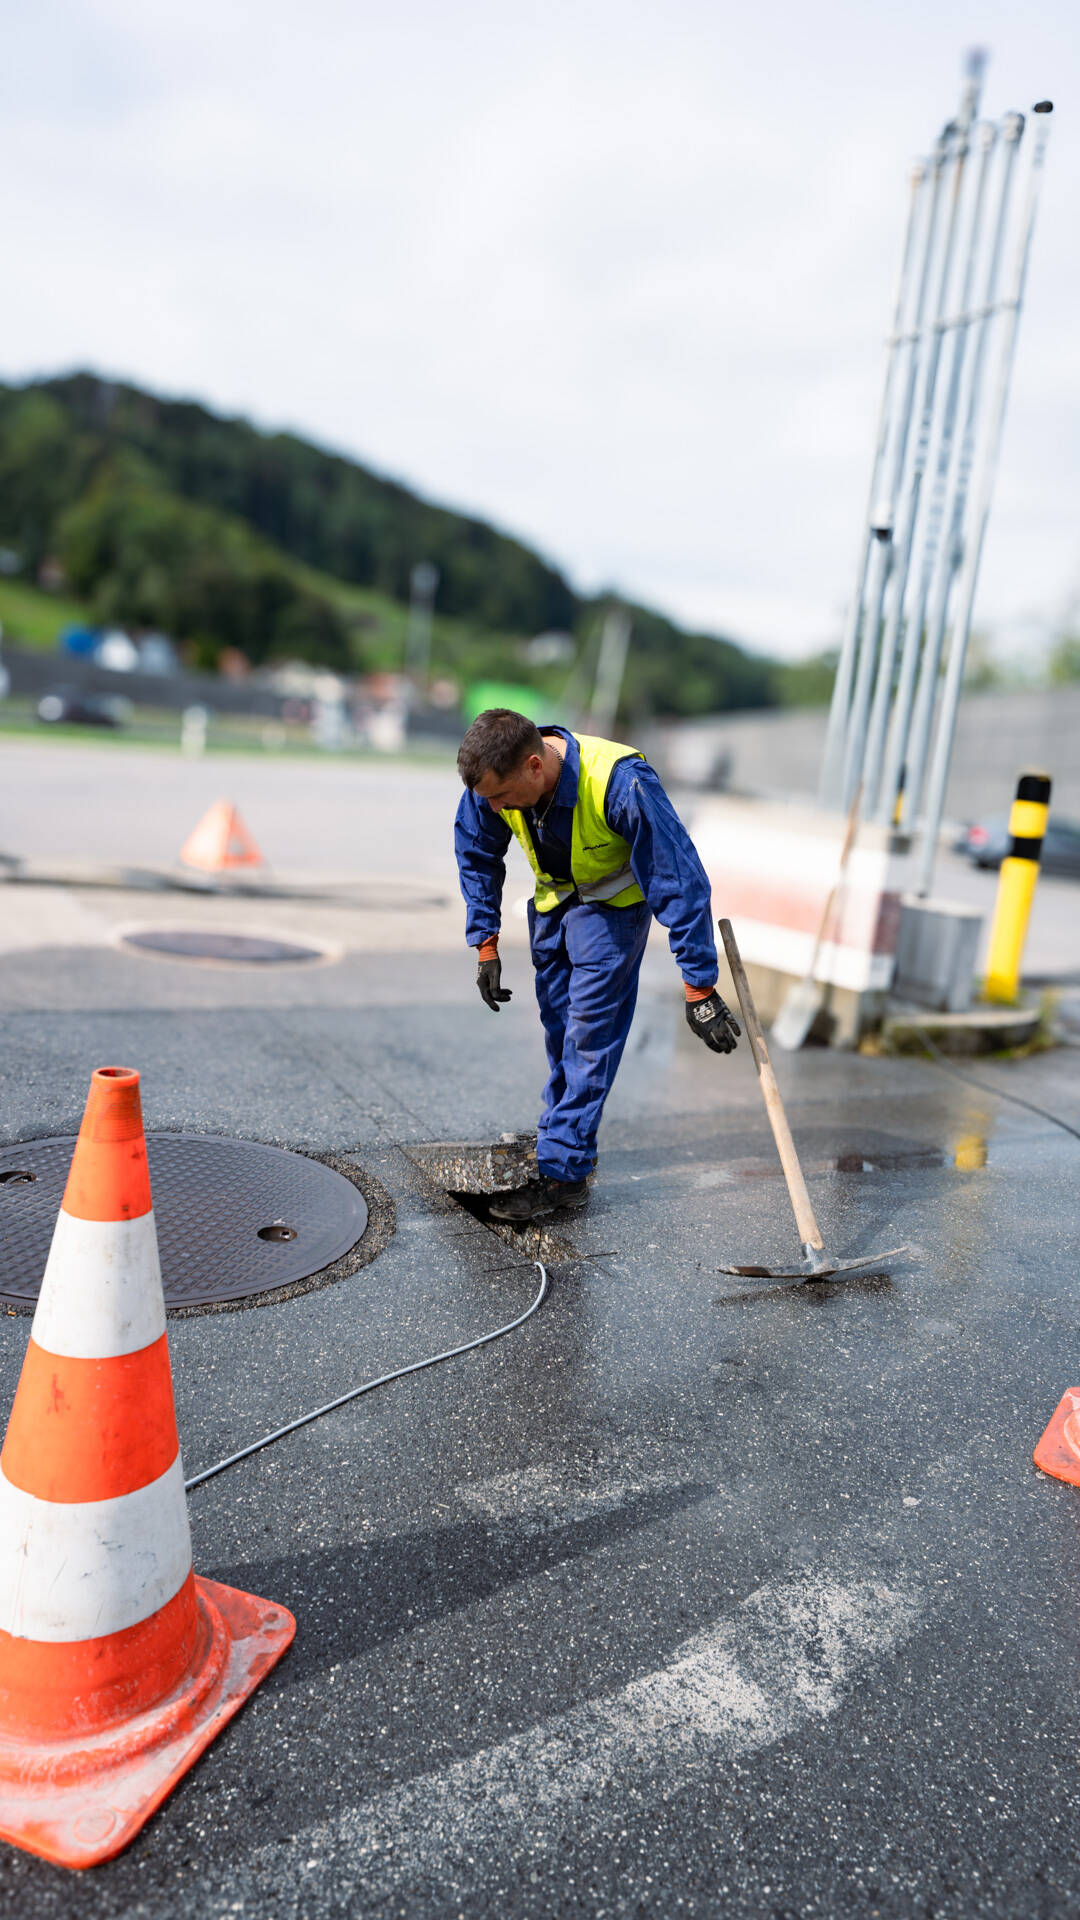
pixel 987 842
pixel 69 706
pixel 980 834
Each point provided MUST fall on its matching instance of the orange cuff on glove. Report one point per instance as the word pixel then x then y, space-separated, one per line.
pixel 488 949
pixel 697 993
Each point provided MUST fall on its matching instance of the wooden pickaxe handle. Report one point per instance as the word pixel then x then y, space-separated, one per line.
pixel 809 1231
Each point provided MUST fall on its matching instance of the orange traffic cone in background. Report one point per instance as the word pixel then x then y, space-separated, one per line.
pixel 1058 1452
pixel 118 1665
pixel 220 840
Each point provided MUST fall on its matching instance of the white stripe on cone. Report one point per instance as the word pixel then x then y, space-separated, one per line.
pixel 101 1295
pixel 73 1570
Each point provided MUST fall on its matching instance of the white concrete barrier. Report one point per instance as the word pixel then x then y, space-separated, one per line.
pixel 771 867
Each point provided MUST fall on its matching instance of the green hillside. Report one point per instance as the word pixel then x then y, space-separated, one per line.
pixel 163 514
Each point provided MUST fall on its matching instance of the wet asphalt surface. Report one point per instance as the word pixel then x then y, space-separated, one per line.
pixel 694 1595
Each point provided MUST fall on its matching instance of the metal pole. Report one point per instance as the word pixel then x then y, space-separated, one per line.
pixel 875 745
pixel 973 555
pixel 845 666
pixel 912 630
pixel 573 699
pixel 913 633
pixel 844 745
pixel 908 404
pixel 856 744
pixel 950 555
pixel 423 586
pixel 610 667
pixel 926 696
pixel 881 557
pixel 855 753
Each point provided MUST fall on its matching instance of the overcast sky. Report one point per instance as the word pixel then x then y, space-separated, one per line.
pixel 613 274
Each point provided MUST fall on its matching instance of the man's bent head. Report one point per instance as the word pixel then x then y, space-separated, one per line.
pixel 501 759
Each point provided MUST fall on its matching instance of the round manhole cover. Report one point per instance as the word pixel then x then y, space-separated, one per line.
pixel 234 1219
pixel 236 949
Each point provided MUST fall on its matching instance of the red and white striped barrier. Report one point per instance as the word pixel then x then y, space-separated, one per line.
pixel 771 867
pixel 117 1664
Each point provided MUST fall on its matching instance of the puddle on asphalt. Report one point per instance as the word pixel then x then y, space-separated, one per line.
pixel 849 1160
pixel 969 1152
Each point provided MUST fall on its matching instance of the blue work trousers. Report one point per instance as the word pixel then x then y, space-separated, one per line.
pixel 587 960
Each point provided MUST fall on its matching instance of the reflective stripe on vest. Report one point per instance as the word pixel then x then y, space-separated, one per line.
pixel 599 857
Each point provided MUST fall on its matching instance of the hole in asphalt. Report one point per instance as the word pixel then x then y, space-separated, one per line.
pixel 536 1240
pixel 472 1172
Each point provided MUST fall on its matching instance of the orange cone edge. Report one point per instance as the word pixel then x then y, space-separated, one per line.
pixel 220 840
pixel 97 1727
pixel 1058 1452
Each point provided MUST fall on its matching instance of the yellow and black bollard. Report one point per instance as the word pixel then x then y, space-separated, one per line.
pixel 1016 886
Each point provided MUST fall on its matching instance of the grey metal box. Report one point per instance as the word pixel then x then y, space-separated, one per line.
pixel 936 951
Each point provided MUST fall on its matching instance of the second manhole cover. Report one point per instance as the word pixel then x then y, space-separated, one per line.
pixel 235 1219
pixel 236 949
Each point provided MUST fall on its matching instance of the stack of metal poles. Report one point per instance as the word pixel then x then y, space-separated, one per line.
pixel 948 361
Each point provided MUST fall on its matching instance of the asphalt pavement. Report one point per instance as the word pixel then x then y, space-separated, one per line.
pixel 694 1595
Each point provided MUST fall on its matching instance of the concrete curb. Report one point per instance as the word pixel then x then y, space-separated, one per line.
pixel 979 1030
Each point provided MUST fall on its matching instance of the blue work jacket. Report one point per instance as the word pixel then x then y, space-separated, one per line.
pixel 663 857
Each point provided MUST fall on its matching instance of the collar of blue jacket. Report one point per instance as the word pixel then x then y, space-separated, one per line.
pixel 565 794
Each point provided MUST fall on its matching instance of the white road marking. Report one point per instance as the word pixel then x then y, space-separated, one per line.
pixel 540 1498
pixel 785 1658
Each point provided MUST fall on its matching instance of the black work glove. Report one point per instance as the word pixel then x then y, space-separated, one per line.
pixel 489 981
pixel 713 1022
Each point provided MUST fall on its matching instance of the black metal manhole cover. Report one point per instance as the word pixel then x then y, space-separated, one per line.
pixel 239 949
pixel 234 1218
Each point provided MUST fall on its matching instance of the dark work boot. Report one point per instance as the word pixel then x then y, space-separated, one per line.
pixel 538 1198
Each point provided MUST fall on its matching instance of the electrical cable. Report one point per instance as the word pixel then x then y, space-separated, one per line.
pixel 416 1366
pixel 995 1093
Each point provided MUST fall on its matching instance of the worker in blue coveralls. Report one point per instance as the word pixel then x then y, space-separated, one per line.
pixel 608 851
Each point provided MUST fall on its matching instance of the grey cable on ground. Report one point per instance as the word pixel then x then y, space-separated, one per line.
pixel 996 1093
pixel 415 1366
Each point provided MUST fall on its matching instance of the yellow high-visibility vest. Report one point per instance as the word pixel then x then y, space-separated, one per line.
pixel 599 858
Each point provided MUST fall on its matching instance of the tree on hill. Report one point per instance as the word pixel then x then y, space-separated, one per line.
pixel 325 510
pixel 165 514
pixel 145 558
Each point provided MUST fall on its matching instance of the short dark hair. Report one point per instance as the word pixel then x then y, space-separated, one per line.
pixel 497 742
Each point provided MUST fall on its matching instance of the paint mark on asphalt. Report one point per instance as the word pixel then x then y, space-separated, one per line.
pixel 542 1497
pixel 788 1656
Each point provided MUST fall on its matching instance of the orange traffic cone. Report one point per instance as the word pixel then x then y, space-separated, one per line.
pixel 1058 1452
pixel 117 1664
pixel 220 840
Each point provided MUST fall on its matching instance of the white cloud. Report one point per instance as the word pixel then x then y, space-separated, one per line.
pixel 614 274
